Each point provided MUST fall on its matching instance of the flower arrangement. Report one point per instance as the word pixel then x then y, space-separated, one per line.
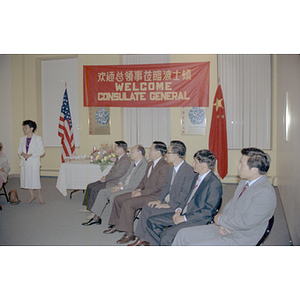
pixel 104 156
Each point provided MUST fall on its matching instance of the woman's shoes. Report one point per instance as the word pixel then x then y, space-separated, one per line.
pixel 30 200
pixel 42 201
pixel 92 221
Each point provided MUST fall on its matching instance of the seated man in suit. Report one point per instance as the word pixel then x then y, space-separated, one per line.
pixel 118 170
pixel 174 191
pixel 197 208
pixel 148 189
pixel 128 183
pixel 245 217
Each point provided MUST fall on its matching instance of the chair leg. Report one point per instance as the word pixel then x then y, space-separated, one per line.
pixel 5 193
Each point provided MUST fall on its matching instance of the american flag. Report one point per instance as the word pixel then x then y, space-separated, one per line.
pixel 65 130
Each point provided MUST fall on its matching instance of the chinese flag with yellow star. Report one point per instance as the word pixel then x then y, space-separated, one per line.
pixel 218 133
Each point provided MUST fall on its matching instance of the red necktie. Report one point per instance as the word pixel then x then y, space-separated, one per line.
pixel 244 189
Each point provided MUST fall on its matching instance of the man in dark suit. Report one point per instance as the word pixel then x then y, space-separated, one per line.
pixel 197 209
pixel 118 170
pixel 149 189
pixel 174 191
pixel 245 217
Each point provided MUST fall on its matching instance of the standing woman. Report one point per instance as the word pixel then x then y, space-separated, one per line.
pixel 30 150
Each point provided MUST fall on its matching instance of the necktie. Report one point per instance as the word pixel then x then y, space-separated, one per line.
pixel 244 189
pixel 167 198
pixel 129 176
pixel 192 194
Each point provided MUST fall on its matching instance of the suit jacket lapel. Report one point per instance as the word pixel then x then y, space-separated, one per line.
pixel 156 167
pixel 177 178
pixel 203 183
pixel 191 190
pixel 135 169
pixel 201 186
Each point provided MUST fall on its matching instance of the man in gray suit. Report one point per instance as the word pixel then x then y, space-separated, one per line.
pixel 118 170
pixel 245 217
pixel 128 183
pixel 174 191
pixel 196 209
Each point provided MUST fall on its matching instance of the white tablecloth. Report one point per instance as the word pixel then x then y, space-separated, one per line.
pixel 77 175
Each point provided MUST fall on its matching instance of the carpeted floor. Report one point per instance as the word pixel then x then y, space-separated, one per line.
pixel 58 221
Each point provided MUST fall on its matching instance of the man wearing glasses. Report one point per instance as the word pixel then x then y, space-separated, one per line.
pixel 180 177
pixel 124 206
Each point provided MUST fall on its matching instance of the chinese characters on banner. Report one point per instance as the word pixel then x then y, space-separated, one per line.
pixel 149 85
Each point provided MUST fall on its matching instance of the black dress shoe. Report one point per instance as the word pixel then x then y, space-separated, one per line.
pixel 92 221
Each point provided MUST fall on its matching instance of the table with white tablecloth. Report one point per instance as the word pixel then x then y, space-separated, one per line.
pixel 76 175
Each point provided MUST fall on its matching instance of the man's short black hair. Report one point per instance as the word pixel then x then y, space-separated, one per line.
pixel 178 148
pixel 206 156
pixel 257 159
pixel 122 144
pixel 160 146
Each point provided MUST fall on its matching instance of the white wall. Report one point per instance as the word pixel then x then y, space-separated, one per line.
pixel 5 109
pixel 288 163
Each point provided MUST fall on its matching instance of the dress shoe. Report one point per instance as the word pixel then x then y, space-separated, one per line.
pixel 138 242
pixel 92 221
pixel 126 239
pixel 110 230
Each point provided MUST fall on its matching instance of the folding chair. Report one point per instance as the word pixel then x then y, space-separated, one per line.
pixel 269 227
pixel 4 191
pixel 137 214
pixel 217 210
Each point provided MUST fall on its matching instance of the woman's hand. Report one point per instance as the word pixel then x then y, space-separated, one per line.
pixel 25 155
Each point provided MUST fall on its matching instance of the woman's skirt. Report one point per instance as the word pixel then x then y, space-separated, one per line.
pixel 30 177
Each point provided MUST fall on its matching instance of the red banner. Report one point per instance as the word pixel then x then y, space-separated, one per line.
pixel 147 85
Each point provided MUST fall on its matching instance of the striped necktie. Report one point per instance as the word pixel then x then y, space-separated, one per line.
pixel 192 194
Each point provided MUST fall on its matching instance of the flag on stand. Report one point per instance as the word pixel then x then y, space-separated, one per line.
pixel 65 130
pixel 218 133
